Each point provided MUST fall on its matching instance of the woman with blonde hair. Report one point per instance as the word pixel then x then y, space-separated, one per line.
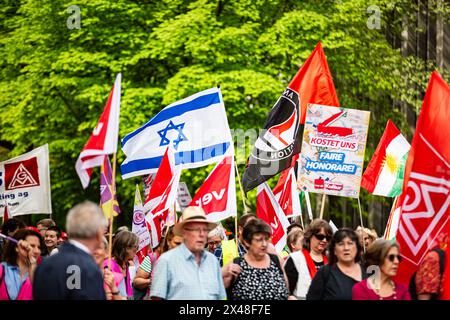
pixel 383 256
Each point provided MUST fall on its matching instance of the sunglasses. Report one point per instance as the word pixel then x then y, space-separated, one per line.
pixel 322 237
pixel 392 257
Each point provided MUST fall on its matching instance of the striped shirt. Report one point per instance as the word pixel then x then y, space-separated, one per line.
pixel 177 276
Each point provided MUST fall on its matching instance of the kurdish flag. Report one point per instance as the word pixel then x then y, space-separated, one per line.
pixel 384 174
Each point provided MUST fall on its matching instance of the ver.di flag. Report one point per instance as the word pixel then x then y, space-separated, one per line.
pixel 283 131
pixel 269 210
pixel 425 200
pixel 108 197
pixel 25 183
pixel 196 127
pixel 217 195
pixel 139 228
pixel 103 140
pixel 384 173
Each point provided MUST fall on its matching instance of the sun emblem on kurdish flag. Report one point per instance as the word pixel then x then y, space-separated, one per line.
pixel 171 126
pixel 392 163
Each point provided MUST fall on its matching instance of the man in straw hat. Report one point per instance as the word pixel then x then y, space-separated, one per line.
pixel 188 272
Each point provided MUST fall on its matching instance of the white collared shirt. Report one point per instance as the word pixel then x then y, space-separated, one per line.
pixel 80 246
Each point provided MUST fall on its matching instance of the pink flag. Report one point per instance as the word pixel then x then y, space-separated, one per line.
pixel 103 140
pixel 217 195
pixel 269 210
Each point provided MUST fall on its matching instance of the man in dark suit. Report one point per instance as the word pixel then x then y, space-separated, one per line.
pixel 72 274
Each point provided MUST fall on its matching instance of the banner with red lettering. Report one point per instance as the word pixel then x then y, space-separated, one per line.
pixel 332 158
pixel 269 210
pixel 217 195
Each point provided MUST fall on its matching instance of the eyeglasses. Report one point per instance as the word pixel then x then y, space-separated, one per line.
pixel 322 237
pixel 214 243
pixel 197 230
pixel 392 257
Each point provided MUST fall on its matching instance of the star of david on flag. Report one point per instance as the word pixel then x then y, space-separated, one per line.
pixel 196 127
pixel 171 126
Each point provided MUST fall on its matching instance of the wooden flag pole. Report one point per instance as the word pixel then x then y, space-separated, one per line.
pixel 362 225
pixel 322 205
pixel 111 213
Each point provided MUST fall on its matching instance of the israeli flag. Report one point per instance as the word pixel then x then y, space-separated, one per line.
pixel 196 126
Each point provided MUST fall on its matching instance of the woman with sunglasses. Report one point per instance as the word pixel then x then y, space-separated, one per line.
pixel 383 256
pixel 336 280
pixel 301 266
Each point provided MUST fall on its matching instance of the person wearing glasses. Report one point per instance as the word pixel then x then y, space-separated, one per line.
pixel 124 248
pixel 301 266
pixel 259 275
pixel 189 272
pixel 214 239
pixel 383 256
pixel 336 280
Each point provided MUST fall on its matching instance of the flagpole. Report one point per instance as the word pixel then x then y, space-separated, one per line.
pixel 389 222
pixel 111 213
pixel 243 201
pixel 322 205
pixel 362 225
pixel 308 205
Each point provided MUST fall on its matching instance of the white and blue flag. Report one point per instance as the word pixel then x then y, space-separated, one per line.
pixel 196 126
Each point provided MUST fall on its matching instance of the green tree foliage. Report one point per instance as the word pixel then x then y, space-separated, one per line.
pixel 55 79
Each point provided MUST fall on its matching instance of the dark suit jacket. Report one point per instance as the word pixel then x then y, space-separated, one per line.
pixel 70 274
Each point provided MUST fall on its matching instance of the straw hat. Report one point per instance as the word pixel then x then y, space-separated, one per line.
pixel 193 214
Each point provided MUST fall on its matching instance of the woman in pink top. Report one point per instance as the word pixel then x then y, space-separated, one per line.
pixel 17 271
pixel 383 257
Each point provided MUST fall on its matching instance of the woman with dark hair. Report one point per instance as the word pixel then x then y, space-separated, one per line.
pixel 260 276
pixel 302 265
pixel 336 280
pixel 17 271
pixel 383 256
pixel 125 245
pixel 143 279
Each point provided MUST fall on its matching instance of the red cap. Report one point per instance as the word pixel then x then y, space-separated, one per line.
pixel 33 228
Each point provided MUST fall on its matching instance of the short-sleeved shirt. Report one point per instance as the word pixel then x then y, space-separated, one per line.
pixel 178 276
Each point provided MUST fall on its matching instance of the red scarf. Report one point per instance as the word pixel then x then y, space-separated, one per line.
pixel 309 261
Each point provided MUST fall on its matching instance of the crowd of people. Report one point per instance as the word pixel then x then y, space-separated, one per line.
pixel 195 261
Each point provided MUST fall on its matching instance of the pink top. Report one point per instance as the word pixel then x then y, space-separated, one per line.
pixel 25 292
pixel 361 291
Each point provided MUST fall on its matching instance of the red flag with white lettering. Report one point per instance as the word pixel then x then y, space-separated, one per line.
pixel 217 195
pixel 425 200
pixel 269 210
pixel 103 140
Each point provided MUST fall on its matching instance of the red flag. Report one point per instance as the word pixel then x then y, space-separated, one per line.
pixel 268 209
pixel 103 140
pixel 425 200
pixel 286 192
pixel 314 82
pixel 217 195
pixel 164 185
pixel 162 195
